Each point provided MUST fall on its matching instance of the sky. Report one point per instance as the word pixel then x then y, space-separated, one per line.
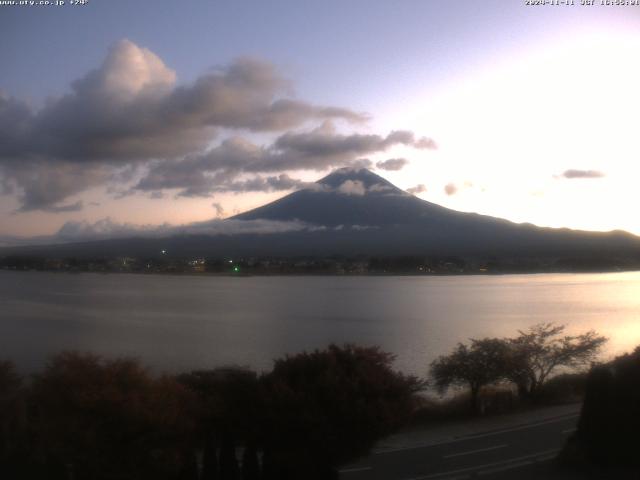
pixel 118 114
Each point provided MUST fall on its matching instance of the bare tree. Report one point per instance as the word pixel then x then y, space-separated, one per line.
pixel 537 352
pixel 475 366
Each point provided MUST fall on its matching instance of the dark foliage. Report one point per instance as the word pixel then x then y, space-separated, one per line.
pixel 110 419
pixel 563 388
pixel 328 407
pixel 610 418
pixel 13 426
pixel 230 403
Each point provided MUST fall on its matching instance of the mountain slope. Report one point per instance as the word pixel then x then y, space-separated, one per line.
pixel 400 223
pixel 356 212
pixel 349 197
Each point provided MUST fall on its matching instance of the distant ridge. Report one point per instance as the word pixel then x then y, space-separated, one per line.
pixel 355 212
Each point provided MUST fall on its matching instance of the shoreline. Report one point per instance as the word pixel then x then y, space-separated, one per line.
pixel 322 274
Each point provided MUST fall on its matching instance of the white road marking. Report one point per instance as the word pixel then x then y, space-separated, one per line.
pixel 354 469
pixel 513 465
pixel 479 435
pixel 471 452
pixel 503 465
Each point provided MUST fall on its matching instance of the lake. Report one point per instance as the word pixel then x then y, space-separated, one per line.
pixel 176 323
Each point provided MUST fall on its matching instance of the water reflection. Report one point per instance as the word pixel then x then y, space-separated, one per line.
pixel 178 323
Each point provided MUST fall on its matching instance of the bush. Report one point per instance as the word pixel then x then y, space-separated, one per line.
pixel 110 419
pixel 229 413
pixel 328 407
pixel 564 388
pixel 491 400
pixel 610 418
pixel 13 424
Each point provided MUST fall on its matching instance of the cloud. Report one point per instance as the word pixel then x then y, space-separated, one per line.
pixel 323 147
pixel 450 189
pixel 352 187
pixel 420 188
pixel 106 228
pixel 220 213
pixel 131 110
pixel 218 169
pixel 393 164
pixel 130 127
pixel 265 184
pixel 237 227
pixel 426 143
pixel 70 207
pixel 573 173
pixel 381 188
pixel 41 185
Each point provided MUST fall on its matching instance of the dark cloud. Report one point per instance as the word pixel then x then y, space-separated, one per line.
pixel 393 164
pixel 265 184
pixel 450 189
pixel 573 173
pixel 130 114
pixel 130 110
pixel 420 188
pixel 41 185
pixel 220 213
pixel 323 147
pixel 319 149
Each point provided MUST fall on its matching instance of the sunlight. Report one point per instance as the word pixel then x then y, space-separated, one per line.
pixel 515 129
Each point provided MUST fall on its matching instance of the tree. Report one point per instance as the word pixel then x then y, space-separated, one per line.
pixel 542 349
pixel 327 407
pixel 475 366
pixel 13 422
pixel 228 415
pixel 610 416
pixel 110 419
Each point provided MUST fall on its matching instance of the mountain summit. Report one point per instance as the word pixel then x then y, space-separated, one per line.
pixel 365 177
pixel 348 197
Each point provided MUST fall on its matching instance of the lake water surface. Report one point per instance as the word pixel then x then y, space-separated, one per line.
pixel 183 322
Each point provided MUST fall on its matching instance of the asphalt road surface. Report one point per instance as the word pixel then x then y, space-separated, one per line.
pixel 486 455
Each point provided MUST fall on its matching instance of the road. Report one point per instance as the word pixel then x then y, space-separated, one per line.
pixel 485 454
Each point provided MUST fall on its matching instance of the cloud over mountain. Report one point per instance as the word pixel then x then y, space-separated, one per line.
pixel 319 149
pixel 420 188
pixel 393 164
pixel 131 111
pixel 574 173
pixel 106 228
